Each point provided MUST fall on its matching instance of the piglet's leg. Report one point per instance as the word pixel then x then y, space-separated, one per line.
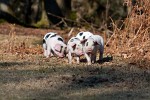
pixel 51 54
pixel 93 55
pixel 69 57
pixel 48 52
pixel 78 59
pixel 93 58
pixel 45 53
pixel 88 58
pixel 101 50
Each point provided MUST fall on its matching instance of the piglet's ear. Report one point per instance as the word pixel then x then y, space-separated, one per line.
pixel 95 43
pixel 57 47
pixel 83 41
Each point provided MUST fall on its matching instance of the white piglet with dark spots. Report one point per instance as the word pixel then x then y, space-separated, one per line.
pixel 74 47
pixel 54 45
pixel 93 44
pixel 46 37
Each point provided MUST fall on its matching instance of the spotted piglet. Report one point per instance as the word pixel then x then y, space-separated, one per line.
pixel 46 37
pixel 74 47
pixel 91 45
pixel 53 44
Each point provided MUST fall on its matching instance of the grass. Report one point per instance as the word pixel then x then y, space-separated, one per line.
pixel 30 76
pixel 48 80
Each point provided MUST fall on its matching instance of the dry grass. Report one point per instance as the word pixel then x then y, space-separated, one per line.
pixel 28 75
pixel 38 79
pixel 133 41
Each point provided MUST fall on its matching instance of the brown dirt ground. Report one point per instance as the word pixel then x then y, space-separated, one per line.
pixel 26 74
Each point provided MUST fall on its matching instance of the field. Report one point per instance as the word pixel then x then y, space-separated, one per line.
pixel 25 74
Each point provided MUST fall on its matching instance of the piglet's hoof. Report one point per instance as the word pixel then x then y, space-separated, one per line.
pixel 89 63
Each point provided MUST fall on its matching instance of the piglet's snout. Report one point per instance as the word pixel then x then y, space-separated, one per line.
pixel 61 55
pixel 80 53
pixel 89 50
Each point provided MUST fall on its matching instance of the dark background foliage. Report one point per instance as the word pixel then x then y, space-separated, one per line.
pixel 60 12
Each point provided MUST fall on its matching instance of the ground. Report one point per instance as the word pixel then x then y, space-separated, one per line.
pixel 25 74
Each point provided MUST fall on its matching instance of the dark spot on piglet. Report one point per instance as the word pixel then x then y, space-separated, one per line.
pixel 47 36
pixel 71 40
pixel 44 41
pixel 80 34
pixel 83 37
pixel 76 38
pixel 53 35
pixel 60 39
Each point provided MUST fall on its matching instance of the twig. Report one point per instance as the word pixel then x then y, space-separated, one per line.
pixel 58 23
pixel 70 32
pixel 112 34
pixel 145 32
pixel 135 36
pixel 110 39
pixel 62 18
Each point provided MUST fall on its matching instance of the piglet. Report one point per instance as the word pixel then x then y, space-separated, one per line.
pixel 91 45
pixel 54 45
pixel 46 37
pixel 74 46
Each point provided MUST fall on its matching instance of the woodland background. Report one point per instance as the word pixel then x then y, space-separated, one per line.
pixel 44 13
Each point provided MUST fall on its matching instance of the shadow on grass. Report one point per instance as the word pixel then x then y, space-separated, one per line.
pixel 137 94
pixel 13 64
pixel 74 82
pixel 9 72
pixel 105 59
pixel 128 82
